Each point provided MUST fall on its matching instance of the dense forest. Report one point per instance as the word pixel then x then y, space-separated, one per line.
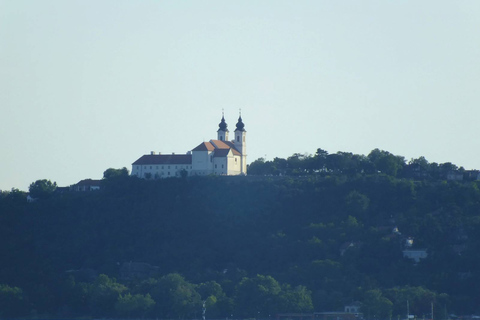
pixel 302 234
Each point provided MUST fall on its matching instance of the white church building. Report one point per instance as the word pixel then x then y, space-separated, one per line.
pixel 215 157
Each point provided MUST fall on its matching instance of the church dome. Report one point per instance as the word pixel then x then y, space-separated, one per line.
pixel 240 125
pixel 222 125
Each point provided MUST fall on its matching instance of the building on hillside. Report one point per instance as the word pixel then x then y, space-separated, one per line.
pixel 415 254
pixel 215 157
pixel 86 185
pixel 354 307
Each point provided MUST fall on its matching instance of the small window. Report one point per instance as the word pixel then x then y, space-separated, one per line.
pixel 238 138
pixel 222 166
pixel 168 172
pixel 215 166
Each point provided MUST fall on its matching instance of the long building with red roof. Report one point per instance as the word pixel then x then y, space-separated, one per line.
pixel 215 157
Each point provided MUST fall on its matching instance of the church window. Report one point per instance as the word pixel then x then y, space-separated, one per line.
pixel 238 138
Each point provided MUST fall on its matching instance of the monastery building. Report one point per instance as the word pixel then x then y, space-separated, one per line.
pixel 215 157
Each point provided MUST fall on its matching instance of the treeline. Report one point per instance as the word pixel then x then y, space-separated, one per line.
pixel 168 297
pixel 247 248
pixel 377 161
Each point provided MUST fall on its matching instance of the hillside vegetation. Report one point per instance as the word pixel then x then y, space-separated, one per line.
pixel 303 234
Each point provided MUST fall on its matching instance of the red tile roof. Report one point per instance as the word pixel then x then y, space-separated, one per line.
pixel 204 146
pixel 219 144
pixel 165 159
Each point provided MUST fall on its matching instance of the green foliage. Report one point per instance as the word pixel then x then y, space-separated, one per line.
pixel 298 299
pixel 42 188
pixel 12 302
pixel 258 297
pixel 356 203
pixel 115 173
pixel 376 306
pixel 313 235
pixel 104 294
pixel 175 297
pixel 134 306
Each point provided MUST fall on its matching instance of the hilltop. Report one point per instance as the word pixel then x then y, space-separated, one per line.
pixel 303 234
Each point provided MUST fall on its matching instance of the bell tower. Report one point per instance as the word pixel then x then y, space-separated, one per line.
pixel 240 143
pixel 222 132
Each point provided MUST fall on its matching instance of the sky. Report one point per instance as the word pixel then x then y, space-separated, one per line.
pixel 91 85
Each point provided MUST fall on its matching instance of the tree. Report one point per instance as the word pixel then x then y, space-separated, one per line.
pixel 258 167
pixel 104 294
pixel 419 299
pixel 217 303
pixel 257 297
pixel 114 173
pixel 356 202
pixel 12 302
pixel 134 306
pixel 298 299
pixel 376 306
pixel 386 162
pixel 175 297
pixel 320 158
pixel 42 188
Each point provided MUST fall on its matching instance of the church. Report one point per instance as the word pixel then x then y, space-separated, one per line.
pixel 215 157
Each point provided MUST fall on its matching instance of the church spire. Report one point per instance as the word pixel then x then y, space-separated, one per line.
pixel 240 125
pixel 222 132
pixel 240 143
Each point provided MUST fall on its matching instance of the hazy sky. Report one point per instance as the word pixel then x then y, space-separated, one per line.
pixel 89 85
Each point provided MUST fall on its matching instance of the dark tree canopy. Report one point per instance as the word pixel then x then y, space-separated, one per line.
pixel 115 173
pixel 42 188
pixel 297 235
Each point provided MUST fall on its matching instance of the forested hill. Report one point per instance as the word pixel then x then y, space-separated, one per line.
pixel 290 239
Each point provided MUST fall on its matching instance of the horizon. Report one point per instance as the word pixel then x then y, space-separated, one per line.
pixel 90 86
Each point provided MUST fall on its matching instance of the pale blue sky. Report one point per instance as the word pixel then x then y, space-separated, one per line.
pixel 88 85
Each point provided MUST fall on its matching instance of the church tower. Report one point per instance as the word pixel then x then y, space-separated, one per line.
pixel 222 132
pixel 240 144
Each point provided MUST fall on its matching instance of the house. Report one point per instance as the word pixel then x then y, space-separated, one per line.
pixel 415 254
pixel 215 157
pixel 472 175
pixel 86 185
pixel 454 176
pixel 336 316
pixel 353 307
